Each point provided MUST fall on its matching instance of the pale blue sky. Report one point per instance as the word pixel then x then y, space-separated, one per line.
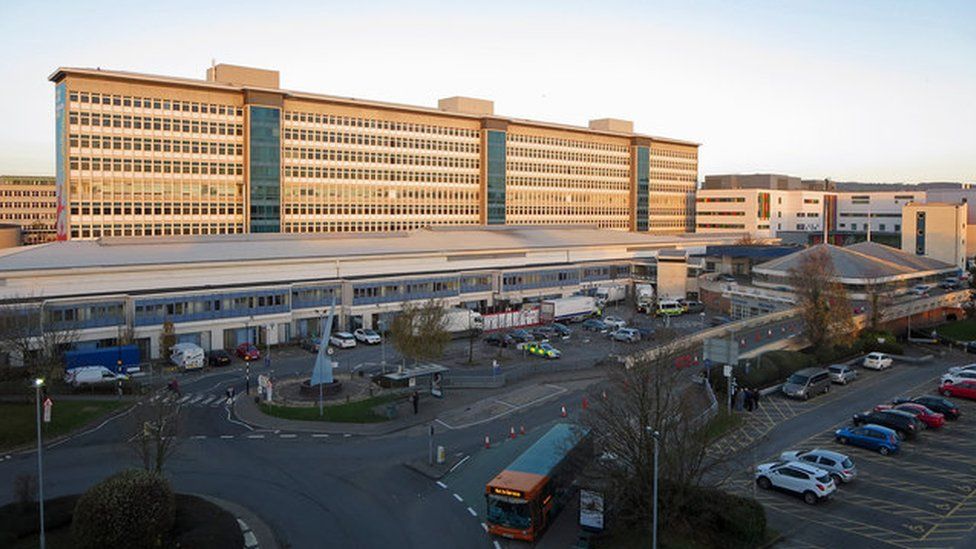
pixel 852 90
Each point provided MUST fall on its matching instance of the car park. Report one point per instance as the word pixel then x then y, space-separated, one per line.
pixel 873 437
pixel 218 357
pixel 499 339
pixel 543 349
pixel 629 335
pixel 595 325
pixel 935 403
pixel 964 389
pixel 901 422
pixel 932 420
pixel 614 322
pixel 812 483
pixel 542 333
pixel 806 383
pixel 959 373
pixel 248 352
pixel 561 330
pixel 365 335
pixel 520 335
pixel 840 467
pixel 343 340
pixel 950 283
pixel 877 361
pixel 842 373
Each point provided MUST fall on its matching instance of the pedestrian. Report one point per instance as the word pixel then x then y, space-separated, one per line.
pixel 739 399
pixel 118 387
pixel 750 399
pixel 415 400
pixel 755 398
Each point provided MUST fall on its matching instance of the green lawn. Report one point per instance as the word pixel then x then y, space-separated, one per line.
pixel 18 426
pixel 354 412
pixel 962 330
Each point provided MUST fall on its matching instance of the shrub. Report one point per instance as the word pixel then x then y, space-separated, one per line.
pixel 134 508
pixel 713 518
pixel 774 367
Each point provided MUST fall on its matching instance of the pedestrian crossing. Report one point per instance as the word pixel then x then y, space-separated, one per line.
pixel 196 400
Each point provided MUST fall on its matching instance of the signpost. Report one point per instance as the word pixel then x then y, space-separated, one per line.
pixel 727 372
pixel 47 410
pixel 591 510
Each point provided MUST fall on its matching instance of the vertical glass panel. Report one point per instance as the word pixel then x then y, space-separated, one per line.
pixel 265 169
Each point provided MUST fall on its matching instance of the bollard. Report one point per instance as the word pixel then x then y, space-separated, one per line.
pixel 562 412
pixel 511 432
pixel 522 430
pixel 441 454
pixel 487 442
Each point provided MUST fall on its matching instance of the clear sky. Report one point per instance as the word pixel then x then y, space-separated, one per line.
pixel 851 90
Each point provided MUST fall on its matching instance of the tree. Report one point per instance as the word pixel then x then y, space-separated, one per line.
pixel 878 301
pixel 822 301
pixel 167 339
pixel 37 343
pixel 419 332
pixel 157 426
pixel 651 393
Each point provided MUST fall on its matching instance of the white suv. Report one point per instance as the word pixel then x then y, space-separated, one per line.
pixel 959 373
pixel 813 483
pixel 367 336
pixel 342 340
pixel 877 361
pixel 614 321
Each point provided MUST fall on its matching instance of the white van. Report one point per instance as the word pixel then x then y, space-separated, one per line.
pixel 89 375
pixel 188 356
pixel 669 307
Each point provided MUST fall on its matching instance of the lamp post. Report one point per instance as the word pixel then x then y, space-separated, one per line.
pixel 40 457
pixel 656 435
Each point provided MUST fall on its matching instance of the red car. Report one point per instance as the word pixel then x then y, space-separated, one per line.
pixel 248 352
pixel 963 389
pixel 932 420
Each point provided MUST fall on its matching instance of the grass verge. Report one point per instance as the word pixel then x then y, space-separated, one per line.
pixel 961 330
pixel 360 411
pixel 19 422
pixel 722 423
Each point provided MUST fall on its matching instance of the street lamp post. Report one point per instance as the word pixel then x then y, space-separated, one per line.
pixel 656 435
pixel 40 457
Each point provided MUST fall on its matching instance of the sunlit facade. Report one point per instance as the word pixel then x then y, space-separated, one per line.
pixel 29 201
pixel 144 155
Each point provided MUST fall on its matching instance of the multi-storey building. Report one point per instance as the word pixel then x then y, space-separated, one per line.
pixel 29 201
pixel 762 213
pixel 150 155
pixel 936 230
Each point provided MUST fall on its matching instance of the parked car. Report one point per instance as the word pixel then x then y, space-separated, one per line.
pixel 543 349
pixel 630 335
pixel 877 361
pixel 902 423
pixel 311 344
pixel 719 320
pixel 595 325
pixel 873 437
pixel 963 389
pixel 694 306
pixel 499 339
pixel 806 383
pixel 938 404
pixel 562 330
pixel 343 340
pixel 812 483
pixel 840 467
pixel 520 335
pixel 726 277
pixel 842 373
pixel 971 347
pixel 957 376
pixel 248 352
pixel 539 334
pixel 365 335
pixel 92 375
pixel 218 357
pixel 614 322
pixel 932 420
pixel 921 289
pixel 950 283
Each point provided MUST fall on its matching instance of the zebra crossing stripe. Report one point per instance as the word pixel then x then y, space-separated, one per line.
pixel 184 399
pixel 207 400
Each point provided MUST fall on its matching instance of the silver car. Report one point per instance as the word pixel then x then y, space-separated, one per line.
pixel 842 373
pixel 840 467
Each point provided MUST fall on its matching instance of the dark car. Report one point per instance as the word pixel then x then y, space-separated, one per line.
pixel 561 330
pixel 938 404
pixel 521 336
pixel 499 339
pixel 595 325
pixel 645 331
pixel 971 347
pixel 218 357
pixel 904 424
pixel 694 306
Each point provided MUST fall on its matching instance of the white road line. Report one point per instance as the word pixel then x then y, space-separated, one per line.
pixel 184 399
pixel 473 514
pixel 225 437
pixel 198 437
pixel 457 497
pixel 205 401
pixel 512 406
pixel 290 435
pixel 346 435
pixel 559 391
pixel 458 464
pixel 255 436
pixel 320 435
pixel 497 545
pixel 442 485
pixel 485 526
pixel 234 421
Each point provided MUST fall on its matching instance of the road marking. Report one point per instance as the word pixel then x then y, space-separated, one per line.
pixel 499 401
pixel 559 391
pixel 290 435
pixel 198 437
pixel 320 435
pixel 255 436
pixel 485 526
pixel 497 545
pixel 225 437
pixel 458 464
pixel 346 435
pixel 234 421
pixel 184 399
pixel 473 514
pixel 442 485
pixel 457 497
pixel 205 401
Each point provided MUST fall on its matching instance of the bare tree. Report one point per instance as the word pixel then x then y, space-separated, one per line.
pixel 418 332
pixel 39 343
pixel 157 427
pixel 652 394
pixel 878 300
pixel 823 303
pixel 167 339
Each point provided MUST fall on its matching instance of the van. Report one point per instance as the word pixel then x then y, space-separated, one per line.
pixel 187 356
pixel 669 307
pixel 807 382
pixel 90 375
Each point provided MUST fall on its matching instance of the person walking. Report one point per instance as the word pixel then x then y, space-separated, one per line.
pixel 118 387
pixel 415 400
pixel 755 399
pixel 750 399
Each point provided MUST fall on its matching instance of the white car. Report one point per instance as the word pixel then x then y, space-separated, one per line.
pixel 840 467
pixel 813 483
pixel 957 374
pixel 91 375
pixel 921 289
pixel 342 340
pixel 614 322
pixel 877 361
pixel 367 336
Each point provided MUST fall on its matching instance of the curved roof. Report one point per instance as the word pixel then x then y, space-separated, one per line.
pixel 861 261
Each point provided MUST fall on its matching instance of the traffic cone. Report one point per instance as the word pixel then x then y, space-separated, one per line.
pixel 487 442
pixel 604 395
pixel 522 430
pixel 511 432
pixel 586 403
pixel 563 411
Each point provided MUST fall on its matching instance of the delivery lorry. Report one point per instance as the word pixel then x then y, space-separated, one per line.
pixel 610 294
pixel 645 298
pixel 575 308
pixel 187 356
pixel 462 322
pixel 120 360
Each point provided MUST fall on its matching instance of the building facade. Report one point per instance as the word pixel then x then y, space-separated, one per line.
pixel 143 155
pixel 29 201
pixel 760 212
pixel 936 230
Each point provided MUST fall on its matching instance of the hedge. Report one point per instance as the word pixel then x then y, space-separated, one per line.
pixel 131 509
pixel 774 367
pixel 713 518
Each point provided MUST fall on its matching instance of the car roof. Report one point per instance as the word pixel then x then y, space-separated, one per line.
pixel 825 453
pixel 342 334
pixel 805 467
pixel 879 428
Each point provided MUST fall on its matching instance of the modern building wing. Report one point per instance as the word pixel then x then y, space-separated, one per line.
pixel 29 201
pixel 141 155
pixel 862 263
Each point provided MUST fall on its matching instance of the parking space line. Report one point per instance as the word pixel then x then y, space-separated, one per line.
pixel 847 525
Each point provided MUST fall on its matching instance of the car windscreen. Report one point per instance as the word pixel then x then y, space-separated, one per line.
pixel 836 369
pixel 797 379
pixel 847 463
pixel 823 479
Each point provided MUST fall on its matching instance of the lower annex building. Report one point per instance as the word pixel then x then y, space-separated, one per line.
pixel 146 155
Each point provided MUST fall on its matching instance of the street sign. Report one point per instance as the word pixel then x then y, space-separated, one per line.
pixel 412 382
pixel 591 510
pixel 721 350
pixel 435 386
pixel 727 370
pixel 47 410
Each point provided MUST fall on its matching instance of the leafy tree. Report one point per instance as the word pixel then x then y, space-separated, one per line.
pixel 167 340
pixel 824 307
pixel 419 332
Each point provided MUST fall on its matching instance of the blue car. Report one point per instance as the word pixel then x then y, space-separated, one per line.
pixel 870 436
pixel 595 325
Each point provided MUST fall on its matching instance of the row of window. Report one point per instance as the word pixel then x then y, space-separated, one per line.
pixel 145 165
pixel 316 172
pixel 429 209
pixel 151 123
pixel 154 229
pixel 710 199
pixel 516 180
pixel 23 216
pixel 87 98
pixel 332 155
pixel 571 155
pixel 375 124
pixel 561 169
pixel 734 214
pixel 148 144
pixel 140 190
pixel 663 153
pixel 367 225
pixel 566 143
pixel 208 209
pixel 373 140
pixel 26 205
pixel 26 193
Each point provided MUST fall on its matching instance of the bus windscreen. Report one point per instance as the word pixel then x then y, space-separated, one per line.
pixel 509 512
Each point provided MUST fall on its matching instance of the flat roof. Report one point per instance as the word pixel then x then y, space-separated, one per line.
pixel 61 72
pixel 254 248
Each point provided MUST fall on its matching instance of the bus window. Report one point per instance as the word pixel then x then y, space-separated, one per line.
pixel 510 512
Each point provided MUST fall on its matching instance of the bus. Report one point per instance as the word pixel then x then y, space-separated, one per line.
pixel 525 498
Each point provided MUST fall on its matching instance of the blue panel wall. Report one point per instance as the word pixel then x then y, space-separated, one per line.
pixel 265 169
pixel 496 178
pixel 643 188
